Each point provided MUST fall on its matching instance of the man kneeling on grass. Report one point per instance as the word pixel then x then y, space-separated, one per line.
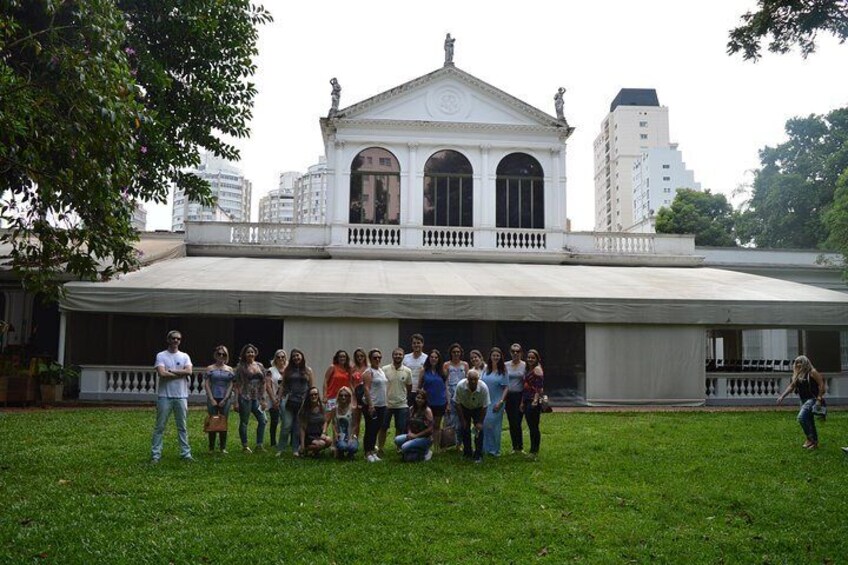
pixel 472 398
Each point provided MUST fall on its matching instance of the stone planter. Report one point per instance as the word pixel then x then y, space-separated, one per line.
pixel 52 394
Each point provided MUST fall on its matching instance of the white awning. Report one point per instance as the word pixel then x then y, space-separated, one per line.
pixel 232 286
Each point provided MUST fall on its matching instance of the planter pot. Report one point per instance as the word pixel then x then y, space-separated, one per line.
pixel 51 394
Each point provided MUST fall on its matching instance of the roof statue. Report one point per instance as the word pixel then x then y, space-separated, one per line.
pixel 559 104
pixel 449 41
pixel 335 95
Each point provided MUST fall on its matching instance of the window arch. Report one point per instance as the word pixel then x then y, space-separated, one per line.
pixel 448 187
pixel 520 192
pixel 375 187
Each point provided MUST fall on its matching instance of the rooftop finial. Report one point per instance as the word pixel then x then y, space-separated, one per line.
pixel 559 104
pixel 335 96
pixel 449 41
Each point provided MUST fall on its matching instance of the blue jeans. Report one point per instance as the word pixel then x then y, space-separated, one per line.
pixel 245 408
pixel 413 449
pixel 346 448
pixel 400 415
pixel 290 430
pixel 807 420
pixel 164 407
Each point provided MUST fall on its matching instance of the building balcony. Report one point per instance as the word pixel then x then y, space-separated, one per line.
pixel 438 243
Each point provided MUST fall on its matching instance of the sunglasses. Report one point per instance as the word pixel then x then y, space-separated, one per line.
pixel 281 356
pixel 515 351
pixel 220 354
pixel 313 394
pixel 173 338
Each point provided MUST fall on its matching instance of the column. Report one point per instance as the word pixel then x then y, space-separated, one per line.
pixel 341 196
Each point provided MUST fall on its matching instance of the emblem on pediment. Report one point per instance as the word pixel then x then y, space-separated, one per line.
pixel 448 102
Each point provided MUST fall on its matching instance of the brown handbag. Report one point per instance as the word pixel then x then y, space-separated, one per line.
pixel 216 423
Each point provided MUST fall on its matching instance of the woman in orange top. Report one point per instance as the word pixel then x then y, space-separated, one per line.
pixel 337 375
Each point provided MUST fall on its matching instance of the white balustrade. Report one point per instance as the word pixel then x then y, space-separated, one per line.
pixel 519 240
pixel 128 384
pixel 761 389
pixel 447 237
pixel 624 243
pixel 373 236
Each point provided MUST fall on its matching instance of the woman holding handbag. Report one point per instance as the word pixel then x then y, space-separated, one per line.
pixel 531 398
pixel 218 385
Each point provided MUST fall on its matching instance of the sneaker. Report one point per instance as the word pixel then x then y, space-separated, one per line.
pixel 369 458
pixel 845 450
pixel 155 460
pixel 478 460
pixel 429 455
pixel 518 452
pixel 278 454
pixel 259 448
pixel 224 452
pixel 246 449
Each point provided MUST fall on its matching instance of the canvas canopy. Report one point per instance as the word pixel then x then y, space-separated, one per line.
pixel 342 288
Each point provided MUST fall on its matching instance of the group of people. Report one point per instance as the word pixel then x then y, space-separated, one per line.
pixel 433 402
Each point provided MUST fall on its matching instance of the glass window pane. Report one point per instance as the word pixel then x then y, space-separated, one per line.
pixel 500 203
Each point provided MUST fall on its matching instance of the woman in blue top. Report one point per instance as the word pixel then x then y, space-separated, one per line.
pixel 496 381
pixel 434 382
pixel 218 386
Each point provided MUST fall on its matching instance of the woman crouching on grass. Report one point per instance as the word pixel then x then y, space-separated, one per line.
pixel 415 444
pixel 810 386
pixel 313 439
pixel 345 442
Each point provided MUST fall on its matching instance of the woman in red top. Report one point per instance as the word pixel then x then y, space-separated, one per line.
pixel 531 398
pixel 337 375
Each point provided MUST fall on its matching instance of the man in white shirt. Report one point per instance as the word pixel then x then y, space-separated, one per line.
pixel 174 370
pixel 472 398
pixel 415 362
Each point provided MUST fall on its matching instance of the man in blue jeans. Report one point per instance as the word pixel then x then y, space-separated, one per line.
pixel 173 368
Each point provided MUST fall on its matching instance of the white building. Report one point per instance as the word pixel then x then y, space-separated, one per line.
pixel 229 186
pixel 139 217
pixel 657 175
pixel 635 124
pixel 277 207
pixel 310 195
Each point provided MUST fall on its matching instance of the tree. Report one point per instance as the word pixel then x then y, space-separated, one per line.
pixel 836 219
pixel 708 216
pixel 104 103
pixel 796 183
pixel 788 23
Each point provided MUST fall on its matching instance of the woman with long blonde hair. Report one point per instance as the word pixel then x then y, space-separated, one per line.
pixel 810 386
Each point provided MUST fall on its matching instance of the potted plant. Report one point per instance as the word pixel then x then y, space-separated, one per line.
pixel 52 377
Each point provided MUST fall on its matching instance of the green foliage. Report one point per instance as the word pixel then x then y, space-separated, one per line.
pixel 788 23
pixel 708 216
pixel 796 183
pixel 692 487
pixel 836 218
pixel 103 104
pixel 54 373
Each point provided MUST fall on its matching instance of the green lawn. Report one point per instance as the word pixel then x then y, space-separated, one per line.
pixel 729 487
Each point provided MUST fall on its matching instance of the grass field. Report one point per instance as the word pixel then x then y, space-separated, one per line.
pixel 696 487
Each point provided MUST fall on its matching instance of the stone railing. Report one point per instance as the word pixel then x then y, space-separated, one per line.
pixel 128 384
pixel 596 245
pixel 763 389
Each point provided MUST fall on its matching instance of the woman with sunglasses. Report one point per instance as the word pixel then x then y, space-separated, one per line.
pixel 531 398
pixel 375 384
pixel 218 385
pixel 252 384
pixel 434 383
pixel 346 443
pixel 336 376
pixel 455 369
pixel 515 370
pixel 360 365
pixel 497 381
pixel 278 365
pixel 297 380
pixel 312 419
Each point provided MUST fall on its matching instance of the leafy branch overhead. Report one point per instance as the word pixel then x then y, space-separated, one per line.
pixel 103 104
pixel 787 23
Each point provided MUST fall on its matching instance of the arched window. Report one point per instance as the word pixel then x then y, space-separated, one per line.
pixel 375 187
pixel 520 192
pixel 448 184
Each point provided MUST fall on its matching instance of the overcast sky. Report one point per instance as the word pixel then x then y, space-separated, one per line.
pixel 722 110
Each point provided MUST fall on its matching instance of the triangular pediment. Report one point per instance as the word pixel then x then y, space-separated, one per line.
pixel 449 95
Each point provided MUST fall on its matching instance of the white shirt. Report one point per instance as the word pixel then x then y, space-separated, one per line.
pixel 478 398
pixel 416 365
pixel 169 387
